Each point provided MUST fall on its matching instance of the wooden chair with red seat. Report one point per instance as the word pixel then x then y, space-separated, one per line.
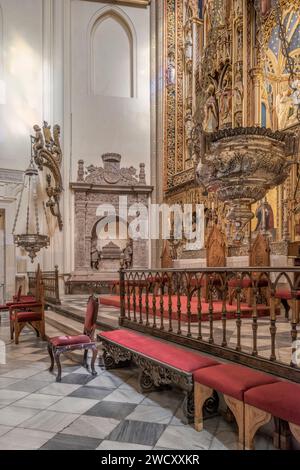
pixel 17 298
pixel 21 299
pixel 259 256
pixel 62 344
pixel 30 313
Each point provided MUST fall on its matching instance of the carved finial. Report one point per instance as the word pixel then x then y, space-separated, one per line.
pixel 80 172
pixel 142 175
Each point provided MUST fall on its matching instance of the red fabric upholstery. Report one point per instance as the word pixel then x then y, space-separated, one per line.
pixel 281 399
pixel 286 294
pixel 27 300
pixel 27 316
pixel 114 301
pixel 157 350
pixel 69 340
pixel 231 379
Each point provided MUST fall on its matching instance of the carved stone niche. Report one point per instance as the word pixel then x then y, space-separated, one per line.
pixel 104 185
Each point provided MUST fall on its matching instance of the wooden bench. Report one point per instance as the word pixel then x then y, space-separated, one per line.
pixel 279 400
pixel 160 363
pixel 232 381
pixel 253 398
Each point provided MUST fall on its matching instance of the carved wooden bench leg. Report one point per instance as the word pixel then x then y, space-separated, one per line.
pixel 254 419
pixel 201 394
pixel 237 408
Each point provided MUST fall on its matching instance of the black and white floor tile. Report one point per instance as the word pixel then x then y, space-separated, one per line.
pixel 106 412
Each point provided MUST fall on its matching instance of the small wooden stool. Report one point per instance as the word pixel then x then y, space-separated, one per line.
pixel 281 400
pixel 231 380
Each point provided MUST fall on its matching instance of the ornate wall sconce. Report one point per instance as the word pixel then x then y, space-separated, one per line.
pixel 46 152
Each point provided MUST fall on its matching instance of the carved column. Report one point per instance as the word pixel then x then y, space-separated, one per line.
pixel 256 79
pixel 80 222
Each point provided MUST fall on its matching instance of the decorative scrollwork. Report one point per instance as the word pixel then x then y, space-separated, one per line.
pixel 113 355
pixel 46 151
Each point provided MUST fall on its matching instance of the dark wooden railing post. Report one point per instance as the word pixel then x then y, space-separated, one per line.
pixel 122 295
pixel 213 330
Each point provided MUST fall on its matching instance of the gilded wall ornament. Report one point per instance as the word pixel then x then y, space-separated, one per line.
pixel 47 153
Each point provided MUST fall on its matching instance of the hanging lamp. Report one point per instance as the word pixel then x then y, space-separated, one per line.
pixel 31 240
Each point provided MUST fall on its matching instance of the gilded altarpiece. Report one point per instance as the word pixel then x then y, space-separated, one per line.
pixel 213 61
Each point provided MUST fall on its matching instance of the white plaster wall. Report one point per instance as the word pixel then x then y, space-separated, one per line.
pixel 2 255
pixel 21 57
pixel 102 123
pixel 44 67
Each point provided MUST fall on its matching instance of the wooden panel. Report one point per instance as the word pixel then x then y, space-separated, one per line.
pixel 260 252
pixel 216 248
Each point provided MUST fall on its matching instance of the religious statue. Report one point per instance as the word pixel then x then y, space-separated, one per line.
pixel 38 139
pixel 188 132
pixel 295 85
pixel 171 74
pixel 225 103
pixel 95 259
pixel 188 44
pixel 285 108
pixel 211 111
pixel 128 254
pixel 265 217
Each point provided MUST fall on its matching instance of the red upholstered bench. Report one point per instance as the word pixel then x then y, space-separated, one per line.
pixel 231 380
pixel 160 363
pixel 281 400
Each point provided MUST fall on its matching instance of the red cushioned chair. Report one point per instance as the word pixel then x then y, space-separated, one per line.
pixel 61 344
pixel 281 400
pixel 18 298
pixel 30 313
pixel 231 380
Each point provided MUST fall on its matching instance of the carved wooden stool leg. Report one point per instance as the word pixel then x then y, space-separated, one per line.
pixel 295 431
pixel 237 408
pixel 94 357
pixel 57 360
pixel 50 351
pixel 201 394
pixel 254 419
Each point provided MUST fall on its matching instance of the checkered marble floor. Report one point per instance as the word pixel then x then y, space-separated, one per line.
pixel 84 412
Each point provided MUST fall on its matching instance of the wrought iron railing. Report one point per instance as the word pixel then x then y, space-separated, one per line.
pixel 235 314
pixel 50 281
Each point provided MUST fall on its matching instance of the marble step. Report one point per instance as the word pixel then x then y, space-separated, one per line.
pixel 71 314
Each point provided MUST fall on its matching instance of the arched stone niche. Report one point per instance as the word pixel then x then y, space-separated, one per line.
pixel 103 186
pixel 112 54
